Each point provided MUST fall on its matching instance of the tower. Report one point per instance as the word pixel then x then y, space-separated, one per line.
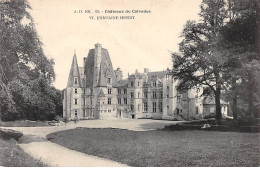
pixel 73 92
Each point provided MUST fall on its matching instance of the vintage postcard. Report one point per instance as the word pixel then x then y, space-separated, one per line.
pixel 119 83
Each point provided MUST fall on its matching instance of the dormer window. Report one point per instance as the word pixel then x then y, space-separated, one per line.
pixel 75 80
pixel 154 83
pixel 76 91
pixel 132 84
pixel 109 80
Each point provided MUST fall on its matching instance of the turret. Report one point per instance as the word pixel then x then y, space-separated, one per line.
pixel 97 61
pixel 74 76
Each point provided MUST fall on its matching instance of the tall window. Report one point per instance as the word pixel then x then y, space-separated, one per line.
pixel 76 91
pixel 76 101
pixel 132 84
pixel 138 84
pixel 125 91
pixel 119 100
pixel 197 110
pixel 161 94
pixel 119 91
pixel 154 94
pixel 178 99
pixel 139 107
pixel 145 106
pixel 160 107
pixel 109 101
pixel 132 95
pixel 145 94
pixel 138 94
pixel 75 80
pixel 109 91
pixel 76 113
pixel 132 107
pixel 125 100
pixel 154 106
pixel 154 83
pixel 108 80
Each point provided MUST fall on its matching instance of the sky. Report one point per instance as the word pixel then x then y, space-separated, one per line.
pixel 143 42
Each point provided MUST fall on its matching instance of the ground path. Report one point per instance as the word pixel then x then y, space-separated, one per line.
pixel 34 141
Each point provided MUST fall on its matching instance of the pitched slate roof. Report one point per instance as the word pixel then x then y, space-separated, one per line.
pixel 74 72
pixel 122 83
pixel 159 74
pixel 106 69
pixel 211 100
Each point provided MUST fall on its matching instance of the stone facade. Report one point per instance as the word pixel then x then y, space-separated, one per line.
pixel 98 91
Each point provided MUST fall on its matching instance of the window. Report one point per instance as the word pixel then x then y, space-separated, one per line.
pixel 132 84
pixel 178 99
pixel 108 80
pixel 119 91
pixel 132 95
pixel 168 87
pixel 145 106
pixel 160 107
pixel 76 101
pixel 132 107
pixel 109 111
pixel 161 94
pixel 75 80
pixel 109 91
pixel 154 106
pixel 125 91
pixel 76 113
pixel 197 110
pixel 138 83
pixel 139 107
pixel 167 107
pixel 138 94
pixel 154 83
pixel 119 100
pixel 76 91
pixel 178 111
pixel 145 94
pixel 109 101
pixel 167 95
pixel 154 94
pixel 212 110
pixel 125 100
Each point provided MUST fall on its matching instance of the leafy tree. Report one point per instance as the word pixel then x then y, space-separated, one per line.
pixel 220 52
pixel 239 37
pixel 201 62
pixel 26 74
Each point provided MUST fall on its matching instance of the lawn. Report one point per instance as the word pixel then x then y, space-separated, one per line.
pixel 23 123
pixel 164 148
pixel 11 155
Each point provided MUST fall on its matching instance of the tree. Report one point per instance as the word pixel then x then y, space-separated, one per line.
pixel 221 52
pixel 239 41
pixel 26 74
pixel 200 61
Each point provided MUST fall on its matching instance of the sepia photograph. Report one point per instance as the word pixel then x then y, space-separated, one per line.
pixel 119 83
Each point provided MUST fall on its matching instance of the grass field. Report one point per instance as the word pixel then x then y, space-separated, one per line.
pixel 23 124
pixel 164 148
pixel 11 155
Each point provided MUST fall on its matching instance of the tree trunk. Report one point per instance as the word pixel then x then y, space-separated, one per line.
pixel 234 98
pixel 250 95
pixel 218 106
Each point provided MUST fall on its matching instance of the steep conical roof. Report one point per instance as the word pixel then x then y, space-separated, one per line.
pixel 74 72
pixel 106 69
pixel 101 93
